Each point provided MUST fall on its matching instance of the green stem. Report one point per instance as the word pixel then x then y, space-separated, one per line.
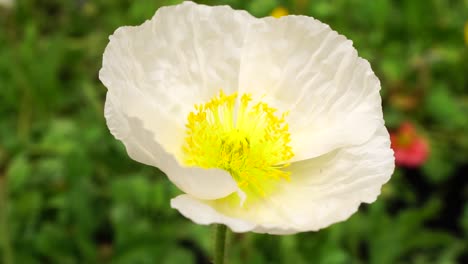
pixel 4 235
pixel 220 244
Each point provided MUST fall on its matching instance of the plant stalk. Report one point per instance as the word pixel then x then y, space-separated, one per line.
pixel 220 244
pixel 5 244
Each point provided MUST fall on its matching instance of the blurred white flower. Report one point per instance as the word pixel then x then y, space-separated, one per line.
pixel 6 3
pixel 267 125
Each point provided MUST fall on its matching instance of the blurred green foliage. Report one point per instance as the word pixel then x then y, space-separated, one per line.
pixel 70 194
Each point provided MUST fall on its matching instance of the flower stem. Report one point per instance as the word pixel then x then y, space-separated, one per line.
pixel 220 244
pixel 4 235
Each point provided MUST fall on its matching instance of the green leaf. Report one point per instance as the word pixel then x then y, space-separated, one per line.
pixel 19 171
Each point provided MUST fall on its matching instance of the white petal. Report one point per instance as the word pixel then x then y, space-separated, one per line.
pixel 181 57
pixel 322 191
pixel 300 65
pixel 204 214
pixel 142 147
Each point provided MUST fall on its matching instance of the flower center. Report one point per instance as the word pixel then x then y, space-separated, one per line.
pixel 247 140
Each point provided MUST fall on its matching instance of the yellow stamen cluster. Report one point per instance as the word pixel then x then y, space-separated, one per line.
pixel 248 141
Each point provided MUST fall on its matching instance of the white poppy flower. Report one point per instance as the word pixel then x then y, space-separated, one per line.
pixel 267 125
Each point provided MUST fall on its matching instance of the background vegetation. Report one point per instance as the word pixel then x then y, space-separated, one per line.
pixel 70 194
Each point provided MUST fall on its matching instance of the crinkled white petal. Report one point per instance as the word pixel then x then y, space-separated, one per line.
pixel 142 147
pixel 300 65
pixel 184 55
pixel 322 191
pixel 156 72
